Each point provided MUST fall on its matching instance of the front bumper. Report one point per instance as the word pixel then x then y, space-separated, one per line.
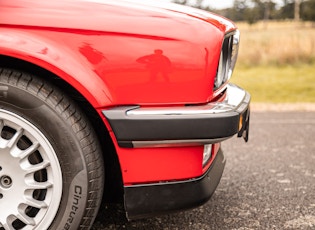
pixel 214 122
pixel 147 200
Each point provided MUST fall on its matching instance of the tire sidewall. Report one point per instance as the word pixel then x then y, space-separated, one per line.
pixel 58 130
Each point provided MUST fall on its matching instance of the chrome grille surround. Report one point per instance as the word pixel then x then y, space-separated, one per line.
pixel 227 60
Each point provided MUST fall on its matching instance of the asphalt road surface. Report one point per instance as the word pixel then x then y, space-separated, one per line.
pixel 268 183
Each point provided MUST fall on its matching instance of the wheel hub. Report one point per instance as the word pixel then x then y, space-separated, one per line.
pixel 30 175
pixel 5 181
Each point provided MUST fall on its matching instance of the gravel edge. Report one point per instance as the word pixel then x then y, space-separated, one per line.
pixel 282 107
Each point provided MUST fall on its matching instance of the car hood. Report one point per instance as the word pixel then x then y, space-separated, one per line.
pixel 98 15
pixel 114 39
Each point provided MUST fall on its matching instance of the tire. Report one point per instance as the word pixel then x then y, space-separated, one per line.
pixel 51 167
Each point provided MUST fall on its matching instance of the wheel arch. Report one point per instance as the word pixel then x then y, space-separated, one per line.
pixel 113 188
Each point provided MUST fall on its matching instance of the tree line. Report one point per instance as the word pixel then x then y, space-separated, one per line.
pixel 256 10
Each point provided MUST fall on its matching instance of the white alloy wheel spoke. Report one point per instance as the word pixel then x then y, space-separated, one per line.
pixel 35 203
pixel 31 186
pixel 13 141
pixel 25 219
pixel 39 185
pixel 16 152
pixel 1 127
pixel 29 168
pixel 8 225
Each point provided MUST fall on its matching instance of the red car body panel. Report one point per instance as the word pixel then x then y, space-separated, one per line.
pixel 161 164
pixel 153 75
pixel 110 54
pixel 128 62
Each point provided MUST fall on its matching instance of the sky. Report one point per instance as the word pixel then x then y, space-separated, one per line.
pixel 216 4
pixel 221 4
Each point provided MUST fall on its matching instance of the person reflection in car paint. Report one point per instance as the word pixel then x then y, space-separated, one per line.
pixel 95 57
pixel 157 64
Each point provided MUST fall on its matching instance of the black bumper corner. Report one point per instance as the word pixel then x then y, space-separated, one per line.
pixel 136 126
pixel 152 199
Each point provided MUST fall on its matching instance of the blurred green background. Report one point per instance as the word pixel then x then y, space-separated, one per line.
pixel 277 61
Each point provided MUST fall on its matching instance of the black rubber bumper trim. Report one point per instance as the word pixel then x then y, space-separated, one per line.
pixel 129 129
pixel 149 200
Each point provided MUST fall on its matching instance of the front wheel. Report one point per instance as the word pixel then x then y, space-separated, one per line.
pixel 51 169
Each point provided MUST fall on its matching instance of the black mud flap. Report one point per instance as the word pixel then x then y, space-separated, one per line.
pixel 244 131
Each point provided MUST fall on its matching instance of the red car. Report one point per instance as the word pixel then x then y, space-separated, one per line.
pixel 130 98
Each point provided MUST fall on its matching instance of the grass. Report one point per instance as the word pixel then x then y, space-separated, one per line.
pixel 276 62
pixel 284 84
pixel 277 43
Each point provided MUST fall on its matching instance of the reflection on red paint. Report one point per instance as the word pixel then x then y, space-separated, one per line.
pixel 157 64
